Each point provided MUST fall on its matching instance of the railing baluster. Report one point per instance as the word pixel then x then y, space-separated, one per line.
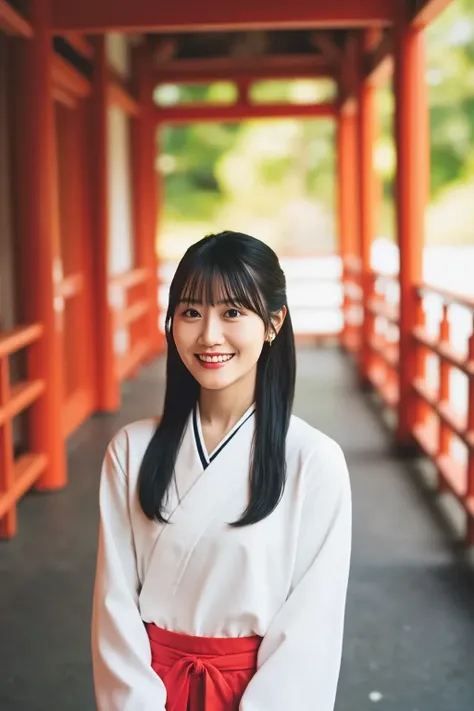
pixel 470 432
pixel 18 475
pixel 445 435
pixel 8 524
pixel 422 410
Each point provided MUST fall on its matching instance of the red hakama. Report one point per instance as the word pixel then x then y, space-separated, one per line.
pixel 203 673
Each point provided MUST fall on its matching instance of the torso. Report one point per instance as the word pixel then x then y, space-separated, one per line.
pixel 198 575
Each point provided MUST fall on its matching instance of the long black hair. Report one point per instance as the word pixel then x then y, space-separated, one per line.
pixel 249 273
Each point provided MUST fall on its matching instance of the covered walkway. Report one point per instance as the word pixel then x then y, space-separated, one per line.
pixel 410 617
pixel 82 345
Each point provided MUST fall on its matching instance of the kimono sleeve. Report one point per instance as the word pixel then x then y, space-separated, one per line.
pixel 121 656
pixel 300 656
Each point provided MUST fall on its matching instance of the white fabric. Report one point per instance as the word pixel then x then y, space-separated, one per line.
pixel 284 578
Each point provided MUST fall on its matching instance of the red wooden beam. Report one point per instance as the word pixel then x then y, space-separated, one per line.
pixel 428 10
pixel 202 71
pixel 80 44
pixel 379 63
pixel 241 112
pixel 119 95
pixel 188 15
pixel 67 79
pixel 12 23
pixel 377 67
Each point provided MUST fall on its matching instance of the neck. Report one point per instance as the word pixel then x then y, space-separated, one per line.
pixel 223 408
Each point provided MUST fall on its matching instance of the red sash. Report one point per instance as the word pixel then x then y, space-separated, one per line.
pixel 203 673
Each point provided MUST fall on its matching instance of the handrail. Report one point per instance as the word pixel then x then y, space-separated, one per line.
pixel 435 422
pixel 353 263
pixel 384 276
pixel 132 317
pixel 450 297
pixel 16 475
pixel 438 423
pixel 130 278
pixel 19 337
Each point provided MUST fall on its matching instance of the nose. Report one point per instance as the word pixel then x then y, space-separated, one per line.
pixel 211 333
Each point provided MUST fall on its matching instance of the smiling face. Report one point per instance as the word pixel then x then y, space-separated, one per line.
pixel 219 343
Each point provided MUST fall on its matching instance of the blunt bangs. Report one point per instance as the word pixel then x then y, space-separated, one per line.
pixel 210 282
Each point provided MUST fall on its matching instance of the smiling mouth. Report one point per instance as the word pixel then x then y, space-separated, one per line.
pixel 224 358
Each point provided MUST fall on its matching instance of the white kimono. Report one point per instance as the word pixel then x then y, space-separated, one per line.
pixel 284 578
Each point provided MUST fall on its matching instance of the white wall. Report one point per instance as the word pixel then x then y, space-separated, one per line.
pixel 121 254
pixel 117 49
pixel 121 238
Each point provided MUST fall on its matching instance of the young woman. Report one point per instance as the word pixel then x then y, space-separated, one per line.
pixel 226 525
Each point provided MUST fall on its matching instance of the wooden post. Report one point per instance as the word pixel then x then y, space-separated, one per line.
pixel 108 388
pixel 347 205
pixel 38 232
pixel 412 181
pixel 145 196
pixel 368 195
pixel 9 521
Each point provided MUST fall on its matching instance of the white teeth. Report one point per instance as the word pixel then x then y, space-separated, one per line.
pixel 214 359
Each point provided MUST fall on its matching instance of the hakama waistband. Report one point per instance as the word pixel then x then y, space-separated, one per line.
pixel 203 673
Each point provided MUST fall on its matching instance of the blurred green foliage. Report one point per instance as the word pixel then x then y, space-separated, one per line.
pixel 260 171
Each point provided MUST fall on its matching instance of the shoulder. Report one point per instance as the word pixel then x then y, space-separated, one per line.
pixel 318 458
pixel 129 444
pixel 306 441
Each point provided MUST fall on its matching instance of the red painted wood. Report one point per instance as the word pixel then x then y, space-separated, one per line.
pixel 12 22
pixel 187 15
pixel 444 373
pixel 38 234
pixel 470 429
pixel 412 181
pixel 347 208
pixel 428 11
pixel 80 44
pixel 368 196
pixel 239 112
pixel 290 66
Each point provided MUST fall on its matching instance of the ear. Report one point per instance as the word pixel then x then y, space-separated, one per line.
pixel 278 319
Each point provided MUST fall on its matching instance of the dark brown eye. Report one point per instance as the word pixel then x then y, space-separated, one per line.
pixel 191 313
pixel 233 313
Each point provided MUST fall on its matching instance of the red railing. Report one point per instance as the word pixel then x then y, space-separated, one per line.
pixel 444 424
pixel 17 473
pixel 442 417
pixel 383 355
pixel 131 307
pixel 352 303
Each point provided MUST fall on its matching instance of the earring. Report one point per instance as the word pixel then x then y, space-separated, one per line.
pixel 271 338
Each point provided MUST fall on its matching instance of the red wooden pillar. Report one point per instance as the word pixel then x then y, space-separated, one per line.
pixel 38 230
pixel 347 204
pixel 412 183
pixel 108 387
pixel 368 195
pixel 146 191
